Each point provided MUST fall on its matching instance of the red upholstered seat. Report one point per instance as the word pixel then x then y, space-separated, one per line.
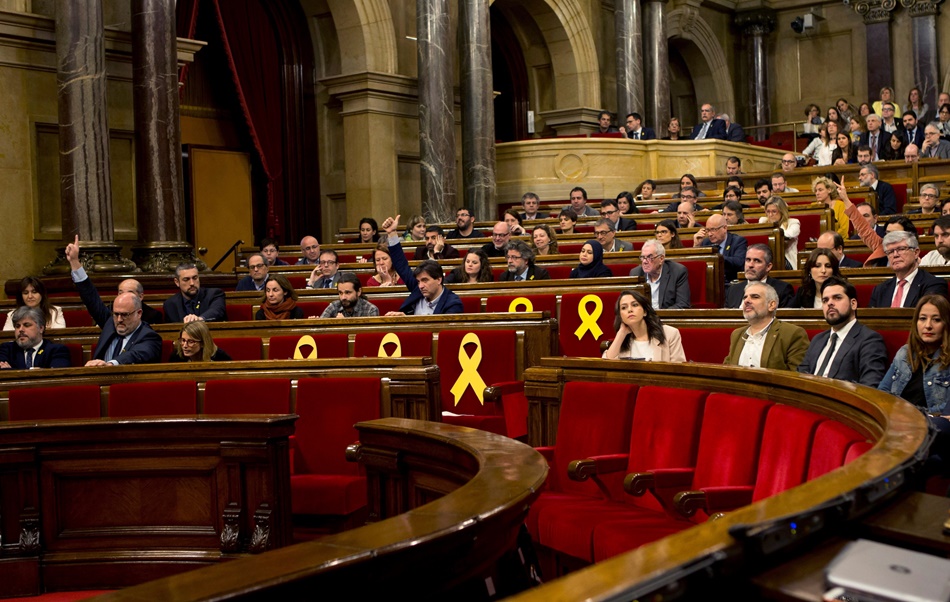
pixel 247 396
pixel 153 399
pixel 76 318
pixel 240 312
pixel 831 445
pixel 168 347
pixel 893 341
pixel 312 308
pixel 539 302
pixel 411 344
pixel 387 304
pixel 66 402
pixel 323 482
pixel 699 274
pixel 577 309
pixel 75 354
pixel 621 269
pixel 810 226
pixel 241 348
pixel 856 450
pixel 708 345
pixel 298 282
pixel 559 272
pixel 323 346
pixel 570 248
pixel 471 304
pixel 864 294
pixel 900 192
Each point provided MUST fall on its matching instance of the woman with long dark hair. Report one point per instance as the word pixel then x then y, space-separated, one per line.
pixel 33 294
pixel 821 265
pixel 475 268
pixel 279 301
pixel 641 334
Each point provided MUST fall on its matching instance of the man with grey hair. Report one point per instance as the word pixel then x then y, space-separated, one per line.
pixel 256 278
pixel 909 283
pixel 875 137
pixel 708 127
pixel 928 198
pixel 668 280
pixel 767 342
pixel 606 236
pixel 734 131
pixel 934 147
pixel 28 349
pixel 521 266
pixel 886 197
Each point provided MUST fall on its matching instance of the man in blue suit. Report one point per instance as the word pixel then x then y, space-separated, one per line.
pixel 427 295
pixel 125 338
pixel 710 127
pixel 910 283
pixel 913 131
pixel 28 349
pixel 734 131
pixel 634 130
pixel 731 246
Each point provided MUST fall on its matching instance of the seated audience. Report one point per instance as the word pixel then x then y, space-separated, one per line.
pixel 257 274
pixel 789 162
pixel 385 274
pixel 864 154
pixel 767 342
pixel 733 166
pixel 530 202
pixel 732 211
pixel 915 104
pixel 591 262
pixel 352 303
pixel 934 146
pixel 833 116
pixel 821 265
pixel 369 230
pixel 887 95
pixel 28 349
pixel 567 220
pixel 821 148
pixel 610 210
pixel 604 120
pixel 33 294
pixel 858 128
pixel 604 231
pixel 709 127
pixel 149 314
pixel 279 301
pixel 813 121
pixel 827 193
pixel 943 121
pixel 734 131
pixel 686 212
pixel 876 138
pixel 929 195
pixel 640 333
pixel 475 268
pixel 894 150
pixel 940 255
pixel 911 153
pixel 415 229
pixel 192 302
pixel 271 252
pixel 736 182
pixel 626 203
pixel 427 295
pixel 544 240
pixel 913 130
pixel 645 190
pixel 763 191
pixel 886 197
pixel 666 233
pixel 668 280
pixel 310 247
pixel 513 219
pixel 500 235
pixel 776 213
pixel 326 274
pixel 435 248
pixel 194 344
pixel 521 266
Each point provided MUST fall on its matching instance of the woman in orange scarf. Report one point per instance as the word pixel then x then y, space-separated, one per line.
pixel 279 301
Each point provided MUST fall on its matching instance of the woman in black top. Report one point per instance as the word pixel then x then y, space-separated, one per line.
pixel 195 344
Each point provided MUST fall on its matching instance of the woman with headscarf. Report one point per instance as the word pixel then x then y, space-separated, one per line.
pixel 591 262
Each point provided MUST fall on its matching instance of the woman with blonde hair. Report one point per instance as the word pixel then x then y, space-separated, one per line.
pixel 195 344
pixel 776 213
pixel 543 240
pixel 887 95
pixel 673 130
pixel 826 193
pixel 415 229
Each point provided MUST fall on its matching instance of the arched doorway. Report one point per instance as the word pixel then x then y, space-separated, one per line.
pixel 510 80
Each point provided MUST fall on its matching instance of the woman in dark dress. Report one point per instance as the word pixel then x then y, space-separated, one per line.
pixel 194 344
pixel 591 262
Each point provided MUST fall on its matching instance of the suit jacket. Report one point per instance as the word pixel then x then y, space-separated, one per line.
pixel 489 249
pixel 924 284
pixel 321 282
pixel 534 273
pixel 621 245
pixel 717 130
pixel 786 293
pixel 210 306
pixel 941 151
pixel 448 252
pixel 735 133
pixel 674 285
pixel 883 139
pixel 449 302
pixel 625 224
pixel 918 138
pixel 886 198
pixel 645 134
pixel 784 349
pixel 151 315
pixel 49 355
pixel 847 262
pixel 247 284
pixel 143 347
pixel 734 255
pixel 860 358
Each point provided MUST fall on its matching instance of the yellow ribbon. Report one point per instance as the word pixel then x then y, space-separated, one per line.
pixel 306 340
pixel 588 321
pixel 390 338
pixel 520 302
pixel 469 376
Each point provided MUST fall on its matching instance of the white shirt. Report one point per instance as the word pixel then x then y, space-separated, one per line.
pixel 654 288
pixel 910 279
pixel 934 258
pixel 842 334
pixel 751 355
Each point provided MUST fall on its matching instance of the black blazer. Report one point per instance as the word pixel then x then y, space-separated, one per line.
pixel 847 262
pixel 210 306
pixel 534 273
pixel 886 198
pixel 883 139
pixel 786 294
pixel 49 355
pixel 448 252
pixel 735 133
pixel 734 255
pixel 625 224
pixel 645 134
pixel 143 347
pixel 924 284
pixel 674 285
pixel 717 130
pixel 218 356
pixel 861 357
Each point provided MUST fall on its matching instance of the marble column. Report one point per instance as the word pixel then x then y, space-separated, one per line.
pixel 877 20
pixel 629 58
pixel 657 97
pixel 159 187
pixel 756 26
pixel 436 114
pixel 926 58
pixel 478 111
pixel 85 186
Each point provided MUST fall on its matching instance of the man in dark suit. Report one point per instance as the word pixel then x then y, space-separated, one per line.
pixel 531 203
pixel 709 127
pixel 427 295
pixel 668 280
pixel 521 266
pixel 149 314
pixel 256 278
pixel 886 197
pixel 435 248
pixel 758 264
pixel 909 283
pixel 913 131
pixel 832 241
pixel 850 350
pixel 634 129
pixel 731 246
pixel 875 137
pixel 125 338
pixel 500 235
pixel 28 349
pixel 193 302
pixel 326 274
pixel 610 210
pixel 734 131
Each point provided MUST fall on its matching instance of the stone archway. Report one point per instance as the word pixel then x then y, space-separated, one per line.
pixel 366 35
pixel 685 23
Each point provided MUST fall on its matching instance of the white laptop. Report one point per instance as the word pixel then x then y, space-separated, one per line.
pixel 876 572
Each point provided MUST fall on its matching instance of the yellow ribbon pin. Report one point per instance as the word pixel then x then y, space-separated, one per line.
pixel 520 302
pixel 589 321
pixel 469 376
pixel 390 338
pixel 306 340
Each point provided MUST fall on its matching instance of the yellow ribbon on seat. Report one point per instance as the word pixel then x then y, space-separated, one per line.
pixel 520 302
pixel 589 321
pixel 305 340
pixel 469 376
pixel 390 338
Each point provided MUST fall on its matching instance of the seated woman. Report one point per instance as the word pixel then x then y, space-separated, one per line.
pixel 475 268
pixel 626 203
pixel 820 148
pixel 513 219
pixel 591 262
pixel 645 190
pixel 821 265
pixel 415 229
pixel 845 150
pixel 385 274
pixel 813 121
pixel 567 219
pixel 666 233
pixel 544 241
pixel 194 344
pixel 943 121
pixel 894 149
pixel 858 127
pixel 835 117
pixel 673 130
pixel 640 333
pixel 369 230
pixel 865 109
pixel 776 212
pixel 279 301
pixel 33 294
pixel 826 192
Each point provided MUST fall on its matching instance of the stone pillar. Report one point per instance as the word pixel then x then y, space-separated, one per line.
pixel 629 58
pixel 756 26
pixel 478 111
pixel 657 65
pixel 436 114
pixel 159 186
pixel 926 58
pixel 877 20
pixel 85 186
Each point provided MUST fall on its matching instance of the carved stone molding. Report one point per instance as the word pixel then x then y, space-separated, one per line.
pixel 95 256
pixel 164 257
pixel 760 22
pixel 922 8
pixel 29 535
pixel 875 11
pixel 260 539
pixel 231 534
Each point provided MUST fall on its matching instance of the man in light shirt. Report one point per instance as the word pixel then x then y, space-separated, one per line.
pixel 668 280
pixel 767 342
pixel 940 255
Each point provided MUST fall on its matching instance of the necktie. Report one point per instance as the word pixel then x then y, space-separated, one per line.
pixel 327 283
pixel 29 358
pixel 828 356
pixel 899 294
pixel 702 132
pixel 116 348
pixel 518 278
pixel 636 135
pixel 874 147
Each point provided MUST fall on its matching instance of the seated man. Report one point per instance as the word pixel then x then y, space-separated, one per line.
pixel 731 246
pixel 579 203
pixel 668 280
pixel 934 147
pixel 780 185
pixel 435 248
pixel 708 127
pixel 351 303
pixel 530 202
pixel 521 266
pixel 271 252
pixel 634 129
pixel 832 241
pixel 28 349
pixel 465 225
pixel 500 235
pixel 125 338
pixel 886 197
pixel 767 342
pixel 940 255
pixel 909 283
pixel 149 314
pixel 193 302
pixel 610 210
pixel 256 279
pixel 758 266
pixel 326 274
pixel 604 231
pixel 427 295
pixel 734 131
pixel 310 247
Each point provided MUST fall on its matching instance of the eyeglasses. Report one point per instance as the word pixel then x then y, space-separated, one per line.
pixel 125 315
pixel 311 248
pixel 788 161
pixel 716 227
pixel 463 215
pixel 188 342
pixel 608 212
pixel 497 235
pixel 510 257
pixel 928 195
pixel 648 258
pixel 255 267
pixel 327 263
pixel 601 232
pixel 897 250
pixel 687 197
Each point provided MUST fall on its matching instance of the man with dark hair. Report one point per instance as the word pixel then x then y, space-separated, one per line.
pixel 758 265
pixel 668 280
pixel 736 181
pixel 579 203
pixel 604 119
pixel 850 351
pixel 863 152
pixel 733 166
pixel 763 191
pixel 869 214
pixel 427 295
pixel 634 130
pixel 521 266
pixel 832 241
pixel 271 252
pixel 733 212
pixel 909 284
pixel 352 303
pixel 606 236
pixel 326 274
pixel 530 202
pixel 767 342
pixel 28 349
pixel 611 211
pixel 435 248
pixel 465 225
pixel 913 133
pixel 256 278
pixel 941 232
pixel 780 184
pixel 886 197
pixel 193 302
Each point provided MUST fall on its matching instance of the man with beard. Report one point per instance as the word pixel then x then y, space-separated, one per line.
pixel 850 350
pixel 909 284
pixel 465 226
pixel 193 302
pixel 351 304
pixel 28 349
pixel 940 255
pixel 435 248
pixel 763 191
pixel 767 342
pixel 886 197
pixel 758 266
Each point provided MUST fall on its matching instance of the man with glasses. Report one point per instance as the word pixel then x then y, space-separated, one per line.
pixel 310 247
pixel 709 127
pixel 928 199
pixel 521 266
pixel 668 280
pixel 606 236
pixel 780 185
pixel 731 246
pixel 889 123
pixel 465 225
pixel 500 235
pixel 256 278
pixel 610 210
pixel 789 162
pixel 125 338
pixel 909 283
pixel 325 275
pixel 934 147
pixel 886 197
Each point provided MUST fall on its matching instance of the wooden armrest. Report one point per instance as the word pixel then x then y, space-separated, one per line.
pixel 353 452
pixel 662 478
pixel 638 483
pixel 688 502
pixel 495 391
pixel 581 470
pixel 605 345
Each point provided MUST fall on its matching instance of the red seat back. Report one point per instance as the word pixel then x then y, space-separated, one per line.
pixel 332 345
pixel 786 447
pixel 708 345
pixel 856 450
pixel 828 452
pixel 248 396
pixel 67 402
pixel 75 354
pixel 729 440
pixel 243 312
pixel 410 344
pixel 864 294
pixel 241 348
pixel 559 272
pixel 312 308
pixel 894 340
pixel 76 318
pixel 471 304
pixel 539 302
pixel 577 334
pixel 488 354
pixel 153 399
pixel 387 304
pixel 168 347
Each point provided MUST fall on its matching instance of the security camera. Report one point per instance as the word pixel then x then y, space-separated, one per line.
pixel 798 25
